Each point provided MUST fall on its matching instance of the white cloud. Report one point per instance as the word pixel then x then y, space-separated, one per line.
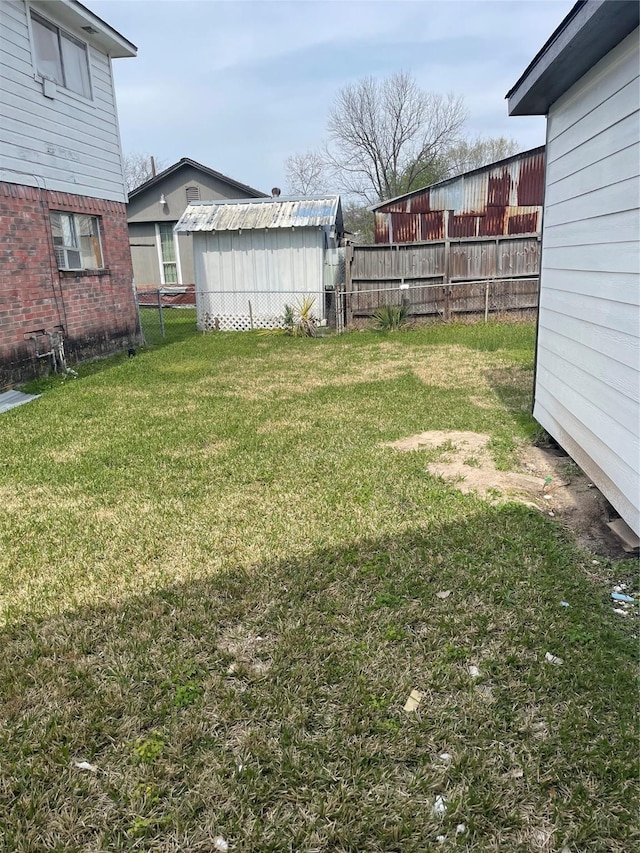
pixel 241 85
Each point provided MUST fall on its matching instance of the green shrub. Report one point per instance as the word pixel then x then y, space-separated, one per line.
pixel 390 317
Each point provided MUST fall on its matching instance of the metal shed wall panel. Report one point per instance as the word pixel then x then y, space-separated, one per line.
pixel 269 268
pixel 588 355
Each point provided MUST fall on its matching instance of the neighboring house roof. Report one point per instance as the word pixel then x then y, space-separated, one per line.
pixel 488 167
pixel 590 30
pixel 186 161
pixel 234 215
pixel 78 17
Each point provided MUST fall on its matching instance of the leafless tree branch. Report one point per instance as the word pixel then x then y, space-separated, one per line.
pixel 306 173
pixel 137 168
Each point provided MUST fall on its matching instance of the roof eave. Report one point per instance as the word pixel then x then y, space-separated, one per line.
pixel 186 161
pixel 73 14
pixel 265 199
pixel 590 30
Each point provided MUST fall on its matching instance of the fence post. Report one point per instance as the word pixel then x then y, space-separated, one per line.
pixel 142 341
pixel 348 286
pixel 250 316
pixel 486 303
pixel 159 292
pixel 446 312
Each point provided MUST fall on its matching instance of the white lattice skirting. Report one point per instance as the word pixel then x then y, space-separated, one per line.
pixel 240 322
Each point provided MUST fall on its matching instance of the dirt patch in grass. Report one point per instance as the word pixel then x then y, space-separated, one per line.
pixel 546 480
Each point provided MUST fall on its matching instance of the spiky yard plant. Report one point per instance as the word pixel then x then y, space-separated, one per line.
pixel 389 318
pixel 304 321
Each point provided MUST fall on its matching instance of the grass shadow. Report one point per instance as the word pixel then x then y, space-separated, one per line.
pixel 265 706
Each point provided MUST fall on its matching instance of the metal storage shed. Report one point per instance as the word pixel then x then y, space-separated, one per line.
pixel 586 80
pixel 252 257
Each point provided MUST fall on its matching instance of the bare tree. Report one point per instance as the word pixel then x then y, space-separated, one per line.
pixel 359 222
pixel 138 169
pixel 388 137
pixel 306 173
pixel 468 154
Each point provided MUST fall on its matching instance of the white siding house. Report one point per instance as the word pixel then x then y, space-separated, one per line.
pixel 586 80
pixel 252 257
pixel 59 125
pixel 65 262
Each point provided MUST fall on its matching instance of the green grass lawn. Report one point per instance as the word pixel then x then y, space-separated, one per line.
pixel 219 588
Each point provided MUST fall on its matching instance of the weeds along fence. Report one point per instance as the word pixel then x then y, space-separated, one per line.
pixel 446 279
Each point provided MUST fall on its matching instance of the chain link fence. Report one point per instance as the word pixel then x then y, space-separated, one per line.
pixel 453 300
pixel 167 314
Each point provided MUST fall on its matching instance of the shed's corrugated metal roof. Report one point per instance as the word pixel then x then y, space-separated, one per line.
pixel 233 214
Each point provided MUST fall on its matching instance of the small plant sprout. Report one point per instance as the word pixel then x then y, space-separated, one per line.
pixel 147 750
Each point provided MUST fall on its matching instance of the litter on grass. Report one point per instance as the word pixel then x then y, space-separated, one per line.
pixel 439 806
pixel 445 756
pixel 460 828
pixel 474 672
pixel 415 698
pixel 553 659
pixel 485 693
pixel 620 611
pixel 441 839
pixel 84 765
pixel 620 596
pixel 564 604
pixel 444 594
pixel 220 845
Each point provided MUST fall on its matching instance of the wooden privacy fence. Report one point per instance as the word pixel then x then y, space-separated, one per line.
pixel 445 278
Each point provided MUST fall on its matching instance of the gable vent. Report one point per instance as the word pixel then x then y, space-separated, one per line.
pixel 193 194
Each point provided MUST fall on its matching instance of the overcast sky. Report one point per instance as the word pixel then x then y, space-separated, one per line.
pixel 239 86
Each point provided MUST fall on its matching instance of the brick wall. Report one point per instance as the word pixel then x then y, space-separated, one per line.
pixel 94 310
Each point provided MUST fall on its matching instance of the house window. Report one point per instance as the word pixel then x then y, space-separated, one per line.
pixel 76 239
pixel 167 252
pixel 193 194
pixel 60 57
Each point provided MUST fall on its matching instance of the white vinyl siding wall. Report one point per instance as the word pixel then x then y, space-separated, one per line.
pixel 68 144
pixel 270 268
pixel 588 359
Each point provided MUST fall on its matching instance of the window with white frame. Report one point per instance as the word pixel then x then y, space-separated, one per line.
pixel 60 56
pixel 76 239
pixel 167 252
